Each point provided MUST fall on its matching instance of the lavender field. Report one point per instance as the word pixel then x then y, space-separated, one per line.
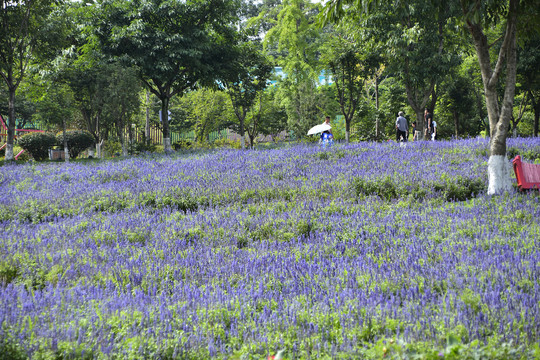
pixel 361 251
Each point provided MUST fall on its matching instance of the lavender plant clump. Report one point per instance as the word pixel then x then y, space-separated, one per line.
pixel 363 250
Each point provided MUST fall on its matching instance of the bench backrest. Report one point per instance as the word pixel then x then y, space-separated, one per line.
pixel 527 175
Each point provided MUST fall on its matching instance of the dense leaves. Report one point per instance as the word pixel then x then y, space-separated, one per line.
pixel 173 44
pixel 77 141
pixel 37 144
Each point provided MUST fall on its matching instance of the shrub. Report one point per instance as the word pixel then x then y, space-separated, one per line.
pixel 37 144
pixel 385 188
pixel 142 147
pixel 182 144
pixel 224 143
pixel 77 141
pixel 112 147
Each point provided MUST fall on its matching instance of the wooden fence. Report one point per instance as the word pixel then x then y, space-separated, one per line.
pixel 156 135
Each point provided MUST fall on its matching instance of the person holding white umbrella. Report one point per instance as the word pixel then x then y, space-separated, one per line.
pixel 321 128
pixel 327 122
pixel 327 138
pixel 325 130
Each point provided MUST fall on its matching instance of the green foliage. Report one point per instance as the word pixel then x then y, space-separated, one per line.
pixel 37 144
pixel 149 38
pixel 8 271
pixel 531 154
pixel 23 157
pixel 143 147
pixel 182 144
pixel 11 350
pixel 112 147
pixel 227 143
pixel 384 188
pixel 450 189
pixel 297 40
pixel 77 141
pixel 246 81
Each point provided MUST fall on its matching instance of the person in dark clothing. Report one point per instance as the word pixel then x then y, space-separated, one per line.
pixel 429 128
pixel 401 127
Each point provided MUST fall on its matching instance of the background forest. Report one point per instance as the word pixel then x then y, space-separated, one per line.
pixel 256 68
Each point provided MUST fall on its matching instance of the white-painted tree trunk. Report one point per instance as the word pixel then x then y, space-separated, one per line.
pixel 243 142
pixel 66 154
pixel 347 136
pixel 124 149
pixel 9 152
pixel 167 145
pixel 499 170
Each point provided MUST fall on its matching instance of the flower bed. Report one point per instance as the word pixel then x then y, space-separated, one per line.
pixel 363 250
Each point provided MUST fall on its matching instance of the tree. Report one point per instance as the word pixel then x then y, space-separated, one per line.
pixel 25 107
pixel 122 99
pixel 209 110
pixel 478 16
pixel 54 102
pixel 347 70
pixel 416 39
pixel 529 76
pixel 271 117
pixel 458 100
pixel 173 44
pixel 248 78
pixel 24 29
pixel 297 40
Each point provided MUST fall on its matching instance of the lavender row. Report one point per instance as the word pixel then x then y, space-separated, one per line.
pixel 336 274
pixel 42 192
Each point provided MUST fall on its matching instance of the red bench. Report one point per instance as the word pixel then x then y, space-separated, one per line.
pixel 527 175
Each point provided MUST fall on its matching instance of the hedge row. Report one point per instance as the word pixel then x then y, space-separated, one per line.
pixel 38 144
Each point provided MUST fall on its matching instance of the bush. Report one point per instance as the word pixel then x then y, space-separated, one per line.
pixel 112 147
pixel 182 144
pixel 142 147
pixel 37 144
pixel 223 143
pixel 77 141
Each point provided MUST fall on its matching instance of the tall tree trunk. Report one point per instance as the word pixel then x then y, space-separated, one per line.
pixel 433 101
pixel 347 129
pixel 420 120
pixel 147 125
pixel 241 117
pixel 66 149
pixel 99 142
pixel 11 124
pixel 242 137
pixel 165 125
pixel 536 108
pixel 121 131
pixel 498 165
pixel 456 123
pixel 536 118
pixel 418 105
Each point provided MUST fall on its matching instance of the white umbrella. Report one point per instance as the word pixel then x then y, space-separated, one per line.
pixel 319 128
